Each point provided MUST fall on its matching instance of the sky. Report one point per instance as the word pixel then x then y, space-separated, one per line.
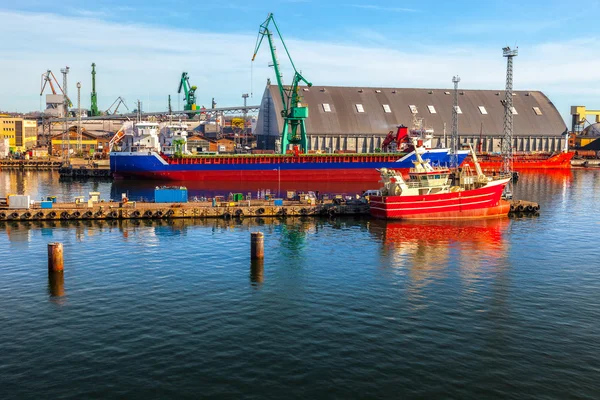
pixel 142 47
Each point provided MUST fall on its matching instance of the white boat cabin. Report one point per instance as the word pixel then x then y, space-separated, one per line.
pixel 173 138
pixel 142 136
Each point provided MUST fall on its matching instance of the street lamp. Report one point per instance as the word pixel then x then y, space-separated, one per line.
pixel 278 179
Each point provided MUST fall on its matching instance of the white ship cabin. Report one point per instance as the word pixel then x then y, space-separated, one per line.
pixel 424 137
pixel 173 138
pixel 143 136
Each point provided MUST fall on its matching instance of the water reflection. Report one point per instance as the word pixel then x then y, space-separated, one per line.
pixel 257 269
pixel 56 284
pixel 424 250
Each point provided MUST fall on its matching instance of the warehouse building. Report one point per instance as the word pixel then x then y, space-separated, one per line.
pixel 21 133
pixel 358 119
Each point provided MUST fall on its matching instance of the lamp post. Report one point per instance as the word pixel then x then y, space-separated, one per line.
pixel 278 179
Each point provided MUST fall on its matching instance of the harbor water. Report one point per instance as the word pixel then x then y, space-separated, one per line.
pixel 341 308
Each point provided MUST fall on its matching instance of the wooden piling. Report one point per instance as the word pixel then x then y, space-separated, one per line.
pixel 257 246
pixel 55 257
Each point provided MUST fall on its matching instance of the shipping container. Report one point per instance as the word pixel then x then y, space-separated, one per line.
pixel 278 202
pixel 46 204
pixel 18 201
pixel 170 195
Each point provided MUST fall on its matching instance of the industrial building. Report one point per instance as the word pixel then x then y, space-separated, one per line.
pixel 21 133
pixel 359 118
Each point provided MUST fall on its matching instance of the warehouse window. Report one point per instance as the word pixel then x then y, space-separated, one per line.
pixel 413 109
pixel 537 111
pixel 377 91
pixel 431 109
pixel 514 111
pixel 386 108
pixel 359 108
pixel 326 107
pixel 446 92
pixel 457 109
pixel 482 110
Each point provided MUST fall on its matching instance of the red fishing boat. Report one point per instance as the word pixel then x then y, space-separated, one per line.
pixel 439 193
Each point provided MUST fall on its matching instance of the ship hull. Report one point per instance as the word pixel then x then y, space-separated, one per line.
pixel 484 202
pixel 346 168
pixel 494 162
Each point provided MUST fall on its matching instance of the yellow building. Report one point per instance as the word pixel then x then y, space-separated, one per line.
pixel 21 133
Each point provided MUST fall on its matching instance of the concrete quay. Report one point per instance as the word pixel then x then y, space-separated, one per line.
pixel 137 210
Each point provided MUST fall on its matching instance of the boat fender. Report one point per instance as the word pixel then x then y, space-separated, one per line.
pixel 169 213
pixel 135 214
pixel 303 211
pixel 39 214
pixel 227 215
pixel 159 213
pixel 76 214
pixel 536 208
pixel 14 215
pixel 99 213
pixel 26 215
pixel 2 215
pixel 512 208
pixel 51 214
pixel 260 211
pixel 64 215
pixel 239 213
pixel 529 208
pixel 520 208
pixel 87 214
pixel 113 214
pixel 148 213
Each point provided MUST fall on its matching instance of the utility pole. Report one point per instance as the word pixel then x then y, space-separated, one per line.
pixel 66 139
pixel 454 137
pixel 79 151
pixel 245 97
pixel 507 144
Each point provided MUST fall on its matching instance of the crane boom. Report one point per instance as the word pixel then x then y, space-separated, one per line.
pixel 293 112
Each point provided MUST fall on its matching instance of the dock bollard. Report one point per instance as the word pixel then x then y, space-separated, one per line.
pixel 55 257
pixel 257 246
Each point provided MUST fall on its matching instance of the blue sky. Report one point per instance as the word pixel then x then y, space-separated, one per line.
pixel 141 47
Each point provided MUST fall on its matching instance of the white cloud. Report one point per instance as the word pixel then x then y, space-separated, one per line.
pixel 382 8
pixel 145 62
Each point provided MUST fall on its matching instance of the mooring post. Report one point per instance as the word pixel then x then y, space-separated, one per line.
pixel 257 246
pixel 55 257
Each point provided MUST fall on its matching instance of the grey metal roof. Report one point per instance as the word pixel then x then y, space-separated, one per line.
pixel 345 119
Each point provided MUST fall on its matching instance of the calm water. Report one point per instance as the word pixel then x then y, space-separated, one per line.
pixel 347 308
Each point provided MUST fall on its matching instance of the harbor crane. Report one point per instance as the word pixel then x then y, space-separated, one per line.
pixel 118 102
pixel 190 94
pixel 47 79
pixel 294 113
pixel 94 112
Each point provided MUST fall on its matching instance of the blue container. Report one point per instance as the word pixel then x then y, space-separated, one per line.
pixel 170 195
pixel 278 202
pixel 46 204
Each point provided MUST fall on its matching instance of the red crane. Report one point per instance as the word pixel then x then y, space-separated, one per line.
pixel 47 78
pixel 401 137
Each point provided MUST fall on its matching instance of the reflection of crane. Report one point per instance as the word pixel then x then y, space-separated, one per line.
pixel 47 78
pixel 118 102
pixel 293 112
pixel 190 94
